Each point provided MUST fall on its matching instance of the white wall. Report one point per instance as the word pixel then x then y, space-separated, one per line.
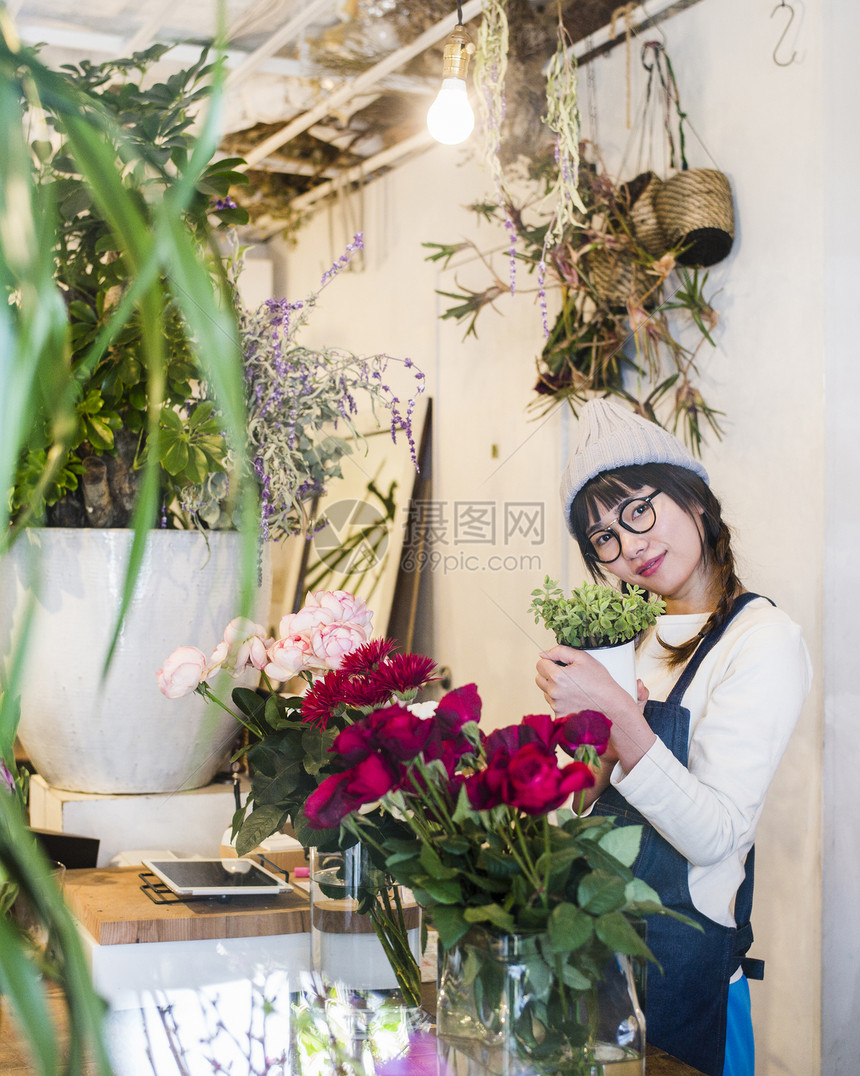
pixel 841 851
pixel 781 373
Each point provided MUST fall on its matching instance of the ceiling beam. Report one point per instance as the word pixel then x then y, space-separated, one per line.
pixel 94 43
pixel 384 159
pixel 145 34
pixel 362 82
pixel 287 33
pixel 640 18
pixel 599 42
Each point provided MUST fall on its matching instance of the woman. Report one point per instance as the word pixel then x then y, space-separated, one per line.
pixel 722 679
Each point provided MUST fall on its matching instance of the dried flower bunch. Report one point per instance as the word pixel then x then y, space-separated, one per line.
pixel 299 400
pixel 594 615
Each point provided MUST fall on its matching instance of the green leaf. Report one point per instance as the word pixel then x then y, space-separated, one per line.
pixel 249 702
pixel 623 843
pixel 315 748
pixel 490 913
pixel 431 862
pixel 261 823
pixel 450 924
pixel 498 865
pixel 175 458
pixel 600 892
pixel 446 891
pixel 638 892
pixel 20 979
pixel 617 932
pixel 574 978
pixel 569 928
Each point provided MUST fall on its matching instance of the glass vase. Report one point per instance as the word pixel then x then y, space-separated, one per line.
pixel 365 929
pixel 505 1010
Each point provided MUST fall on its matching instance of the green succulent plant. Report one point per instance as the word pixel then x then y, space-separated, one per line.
pixel 594 615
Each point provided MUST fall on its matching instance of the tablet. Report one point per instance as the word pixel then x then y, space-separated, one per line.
pixel 216 877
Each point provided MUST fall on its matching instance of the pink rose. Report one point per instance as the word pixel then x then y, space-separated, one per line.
pixel 344 607
pixel 304 621
pixel 247 643
pixel 332 642
pixel 289 656
pixel 182 672
pixel 217 659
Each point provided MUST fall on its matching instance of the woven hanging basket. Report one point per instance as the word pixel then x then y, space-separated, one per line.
pixel 617 278
pixel 695 210
pixel 647 229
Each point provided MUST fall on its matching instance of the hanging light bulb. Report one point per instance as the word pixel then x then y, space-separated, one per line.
pixel 451 119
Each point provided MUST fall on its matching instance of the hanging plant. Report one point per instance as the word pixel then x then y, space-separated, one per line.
pixel 632 312
pixel 627 323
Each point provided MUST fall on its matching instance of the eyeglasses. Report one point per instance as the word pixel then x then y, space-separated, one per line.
pixel 636 515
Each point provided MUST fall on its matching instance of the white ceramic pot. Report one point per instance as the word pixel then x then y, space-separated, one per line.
pixel 120 734
pixel 620 662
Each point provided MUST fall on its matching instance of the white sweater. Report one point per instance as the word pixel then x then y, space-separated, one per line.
pixel 744 702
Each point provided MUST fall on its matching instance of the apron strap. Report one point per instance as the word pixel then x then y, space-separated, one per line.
pixel 708 642
pixel 752 967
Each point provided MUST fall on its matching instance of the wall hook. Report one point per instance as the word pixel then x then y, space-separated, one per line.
pixel 787 7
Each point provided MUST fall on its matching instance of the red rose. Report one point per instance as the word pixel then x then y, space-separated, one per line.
pixel 538 728
pixel 355 742
pixel 325 808
pixel 483 793
pixel 574 778
pixel 400 733
pixel 534 783
pixel 457 708
pixel 586 727
pixel 371 779
pixel 344 793
pixel 505 740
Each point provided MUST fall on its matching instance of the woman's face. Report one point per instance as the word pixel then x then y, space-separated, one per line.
pixel 667 560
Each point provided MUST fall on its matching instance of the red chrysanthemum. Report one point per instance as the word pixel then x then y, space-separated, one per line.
pixel 320 702
pixel 404 672
pixel 365 658
pixel 364 691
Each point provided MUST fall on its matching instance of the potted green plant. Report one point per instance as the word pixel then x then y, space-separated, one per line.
pixel 38 390
pixel 149 133
pixel 600 620
pixel 138 425
pixel 132 421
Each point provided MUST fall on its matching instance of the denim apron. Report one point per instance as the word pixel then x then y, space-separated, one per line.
pixel 685 1007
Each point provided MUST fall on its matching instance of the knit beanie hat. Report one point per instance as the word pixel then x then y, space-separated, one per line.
pixel 611 436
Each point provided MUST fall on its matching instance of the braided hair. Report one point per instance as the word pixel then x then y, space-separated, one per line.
pixel 691 494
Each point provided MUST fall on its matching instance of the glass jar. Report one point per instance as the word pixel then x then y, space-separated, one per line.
pixel 503 1009
pixel 365 930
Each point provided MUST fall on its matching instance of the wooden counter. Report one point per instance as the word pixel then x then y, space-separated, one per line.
pixel 112 906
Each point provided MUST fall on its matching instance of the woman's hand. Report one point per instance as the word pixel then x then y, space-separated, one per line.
pixel 572 680
pixel 580 682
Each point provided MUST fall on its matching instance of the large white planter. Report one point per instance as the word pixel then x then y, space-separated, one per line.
pixel 120 734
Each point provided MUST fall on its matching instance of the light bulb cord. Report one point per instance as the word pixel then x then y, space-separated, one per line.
pixel 459 12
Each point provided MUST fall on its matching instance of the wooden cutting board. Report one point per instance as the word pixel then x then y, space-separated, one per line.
pixel 109 902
